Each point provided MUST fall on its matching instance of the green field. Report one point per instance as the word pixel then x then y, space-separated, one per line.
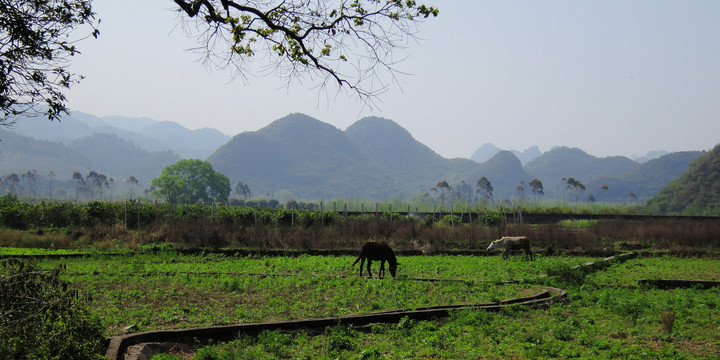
pixel 606 315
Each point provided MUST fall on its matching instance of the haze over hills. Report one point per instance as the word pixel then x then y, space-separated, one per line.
pixel 301 158
pixel 146 133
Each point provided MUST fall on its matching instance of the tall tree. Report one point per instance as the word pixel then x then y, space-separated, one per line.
pixel 36 44
pixel 51 178
pixel 537 187
pixel 133 181
pixel 442 188
pixel 243 190
pixel 576 186
pixel 484 188
pixel 12 183
pixel 191 181
pixel 80 184
pixel 327 40
pixel 463 192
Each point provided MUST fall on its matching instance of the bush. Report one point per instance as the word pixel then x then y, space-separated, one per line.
pixel 41 318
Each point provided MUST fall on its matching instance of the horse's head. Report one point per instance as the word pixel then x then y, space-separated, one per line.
pixel 492 246
pixel 393 267
pixel 496 243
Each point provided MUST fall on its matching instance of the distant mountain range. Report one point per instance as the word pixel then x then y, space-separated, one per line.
pixel 299 157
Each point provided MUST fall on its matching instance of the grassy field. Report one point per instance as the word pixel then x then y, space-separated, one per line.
pixel 606 315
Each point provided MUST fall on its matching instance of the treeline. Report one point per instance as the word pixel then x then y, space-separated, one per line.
pixel 134 214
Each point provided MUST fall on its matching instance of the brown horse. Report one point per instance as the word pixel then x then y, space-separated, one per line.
pixel 377 251
pixel 513 243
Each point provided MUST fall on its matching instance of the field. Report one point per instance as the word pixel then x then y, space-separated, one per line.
pixel 606 313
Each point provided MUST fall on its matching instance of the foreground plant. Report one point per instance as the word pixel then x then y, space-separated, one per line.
pixel 42 318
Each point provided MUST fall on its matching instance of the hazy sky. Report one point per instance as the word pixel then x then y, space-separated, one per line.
pixel 610 77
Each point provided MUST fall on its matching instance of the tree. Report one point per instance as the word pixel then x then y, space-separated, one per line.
pixel 51 177
pixel 243 190
pixel 576 186
pixel 328 40
pixel 133 181
pixel 325 39
pixel 442 188
pixel 537 187
pixel 191 181
pixel 35 48
pixel 520 190
pixel 463 192
pixel 80 184
pixel 604 189
pixel 485 189
pixel 12 183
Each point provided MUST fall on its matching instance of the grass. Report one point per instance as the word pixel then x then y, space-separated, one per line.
pixel 168 290
pixel 607 314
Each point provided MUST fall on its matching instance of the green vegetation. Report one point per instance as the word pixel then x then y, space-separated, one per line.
pixel 191 181
pixel 41 317
pixel 606 315
pixel 696 192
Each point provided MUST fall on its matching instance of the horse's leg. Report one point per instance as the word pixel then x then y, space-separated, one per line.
pixel 368 267
pixel 382 268
pixel 362 262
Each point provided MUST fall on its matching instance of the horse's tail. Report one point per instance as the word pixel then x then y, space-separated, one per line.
pixel 356 261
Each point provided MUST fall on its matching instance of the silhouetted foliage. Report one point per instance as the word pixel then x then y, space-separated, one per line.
pixel 41 317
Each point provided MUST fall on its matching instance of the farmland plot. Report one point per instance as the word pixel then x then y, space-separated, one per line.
pixel 607 314
pixel 167 290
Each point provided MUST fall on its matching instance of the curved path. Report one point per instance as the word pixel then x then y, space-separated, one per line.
pixel 119 344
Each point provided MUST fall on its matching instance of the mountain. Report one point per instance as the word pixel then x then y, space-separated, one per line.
pixel 487 151
pixel 197 144
pixel 527 155
pixel 299 157
pixel 504 171
pixel 564 162
pixel 650 156
pixel 103 153
pixel 19 154
pixel 146 133
pixel 643 181
pixel 120 158
pixel 302 157
pixel 399 155
pixel 696 192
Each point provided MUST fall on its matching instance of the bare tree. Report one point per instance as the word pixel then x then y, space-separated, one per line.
pixel 348 43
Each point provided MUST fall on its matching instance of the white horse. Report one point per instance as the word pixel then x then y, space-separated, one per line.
pixel 512 243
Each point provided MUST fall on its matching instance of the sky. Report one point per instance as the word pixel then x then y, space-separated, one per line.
pixel 612 77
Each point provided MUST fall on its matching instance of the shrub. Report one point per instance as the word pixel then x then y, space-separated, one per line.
pixel 42 318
